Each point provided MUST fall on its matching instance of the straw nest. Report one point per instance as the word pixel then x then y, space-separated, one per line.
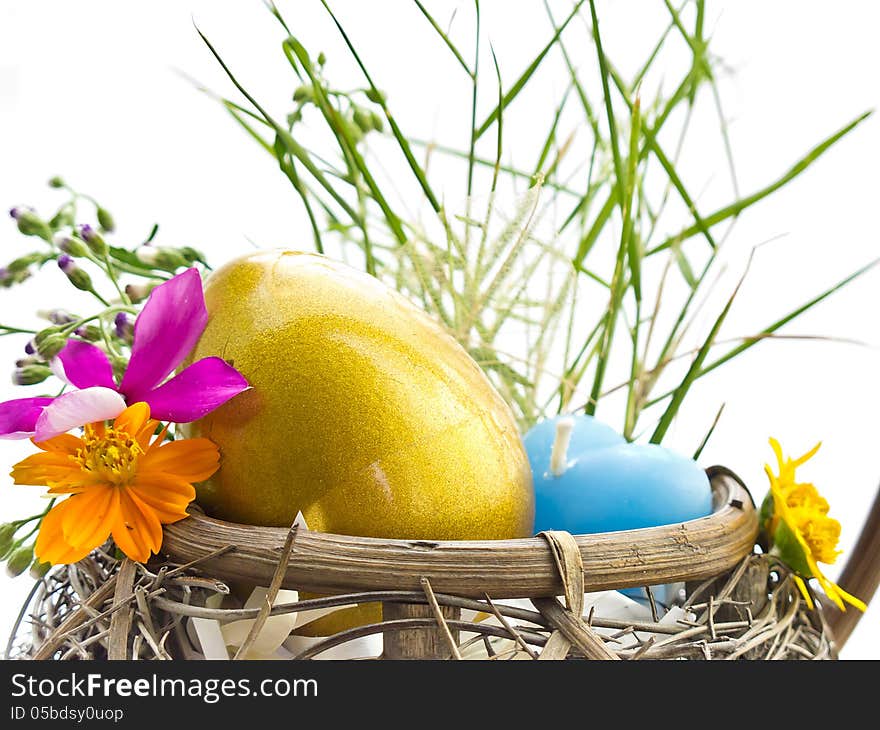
pixel 440 600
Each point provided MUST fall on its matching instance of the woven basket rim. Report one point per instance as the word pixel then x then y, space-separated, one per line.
pixel 518 568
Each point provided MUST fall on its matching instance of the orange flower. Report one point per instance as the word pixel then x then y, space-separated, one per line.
pixel 120 484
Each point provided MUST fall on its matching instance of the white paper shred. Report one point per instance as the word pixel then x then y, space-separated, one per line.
pixel 220 640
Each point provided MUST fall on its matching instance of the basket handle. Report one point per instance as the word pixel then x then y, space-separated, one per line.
pixel 860 576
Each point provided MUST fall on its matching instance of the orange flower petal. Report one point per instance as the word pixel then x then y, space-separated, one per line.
pixel 158 441
pixel 51 547
pixel 59 489
pixel 146 433
pixel 148 522
pixel 90 515
pixel 66 443
pixel 851 599
pixel 805 592
pixel 137 534
pixel 133 418
pixel 191 459
pixel 801 460
pixel 44 469
pixel 165 494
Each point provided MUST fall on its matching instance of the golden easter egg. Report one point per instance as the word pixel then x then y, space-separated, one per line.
pixel 363 413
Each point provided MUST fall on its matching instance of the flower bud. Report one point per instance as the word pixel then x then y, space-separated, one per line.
pixel 93 240
pixel 65 263
pixel 79 278
pixel 30 224
pixel 71 246
pixel 105 220
pixel 58 316
pixel 24 262
pixel 38 570
pixel 147 255
pixel 119 365
pixel 124 327
pixel 7 534
pixel 5 276
pixel 56 182
pixel 31 374
pixel 30 347
pixel 167 259
pixel 376 96
pixel 21 276
pixel 49 342
pixel 20 560
pixel 322 59
pixel 354 131
pixel 192 255
pixel 25 361
pixel 51 346
pixel 138 292
pixel 89 332
pixel 303 94
pixel 363 120
pixel 62 219
pixel 377 121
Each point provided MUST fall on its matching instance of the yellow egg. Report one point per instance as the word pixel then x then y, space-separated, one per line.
pixel 364 413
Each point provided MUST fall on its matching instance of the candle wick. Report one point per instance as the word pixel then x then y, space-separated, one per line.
pixel 559 454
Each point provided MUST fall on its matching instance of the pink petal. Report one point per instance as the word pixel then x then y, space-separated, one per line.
pixel 77 408
pixel 83 365
pixel 198 390
pixel 18 418
pixel 165 332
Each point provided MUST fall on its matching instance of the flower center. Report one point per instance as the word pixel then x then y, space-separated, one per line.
pixel 822 535
pixel 109 454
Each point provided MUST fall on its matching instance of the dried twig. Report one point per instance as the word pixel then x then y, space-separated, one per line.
pixel 120 623
pixel 271 594
pixel 438 614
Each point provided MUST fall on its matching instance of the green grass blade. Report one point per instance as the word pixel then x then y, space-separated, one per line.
pixel 392 122
pixel 762 335
pixel 484 162
pixel 527 74
pixel 646 66
pixel 449 44
pixel 633 252
pixel 289 169
pixel 694 371
pixel 254 134
pixel 651 145
pixel 609 110
pixel 739 206
pixel 290 143
pixel 474 88
pixel 551 135
pixel 349 147
pixel 789 317
pixel 708 435
pixel 586 243
pixel 572 72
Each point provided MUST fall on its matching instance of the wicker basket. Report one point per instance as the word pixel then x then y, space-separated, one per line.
pixel 739 602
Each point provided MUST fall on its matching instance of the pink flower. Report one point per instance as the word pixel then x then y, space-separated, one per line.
pixel 165 332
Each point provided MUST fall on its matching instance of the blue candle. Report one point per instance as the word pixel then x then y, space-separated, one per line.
pixel 588 479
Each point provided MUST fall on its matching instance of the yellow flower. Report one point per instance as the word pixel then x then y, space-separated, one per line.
pixel 795 517
pixel 120 484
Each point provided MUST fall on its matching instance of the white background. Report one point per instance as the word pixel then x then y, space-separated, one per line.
pixel 90 91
